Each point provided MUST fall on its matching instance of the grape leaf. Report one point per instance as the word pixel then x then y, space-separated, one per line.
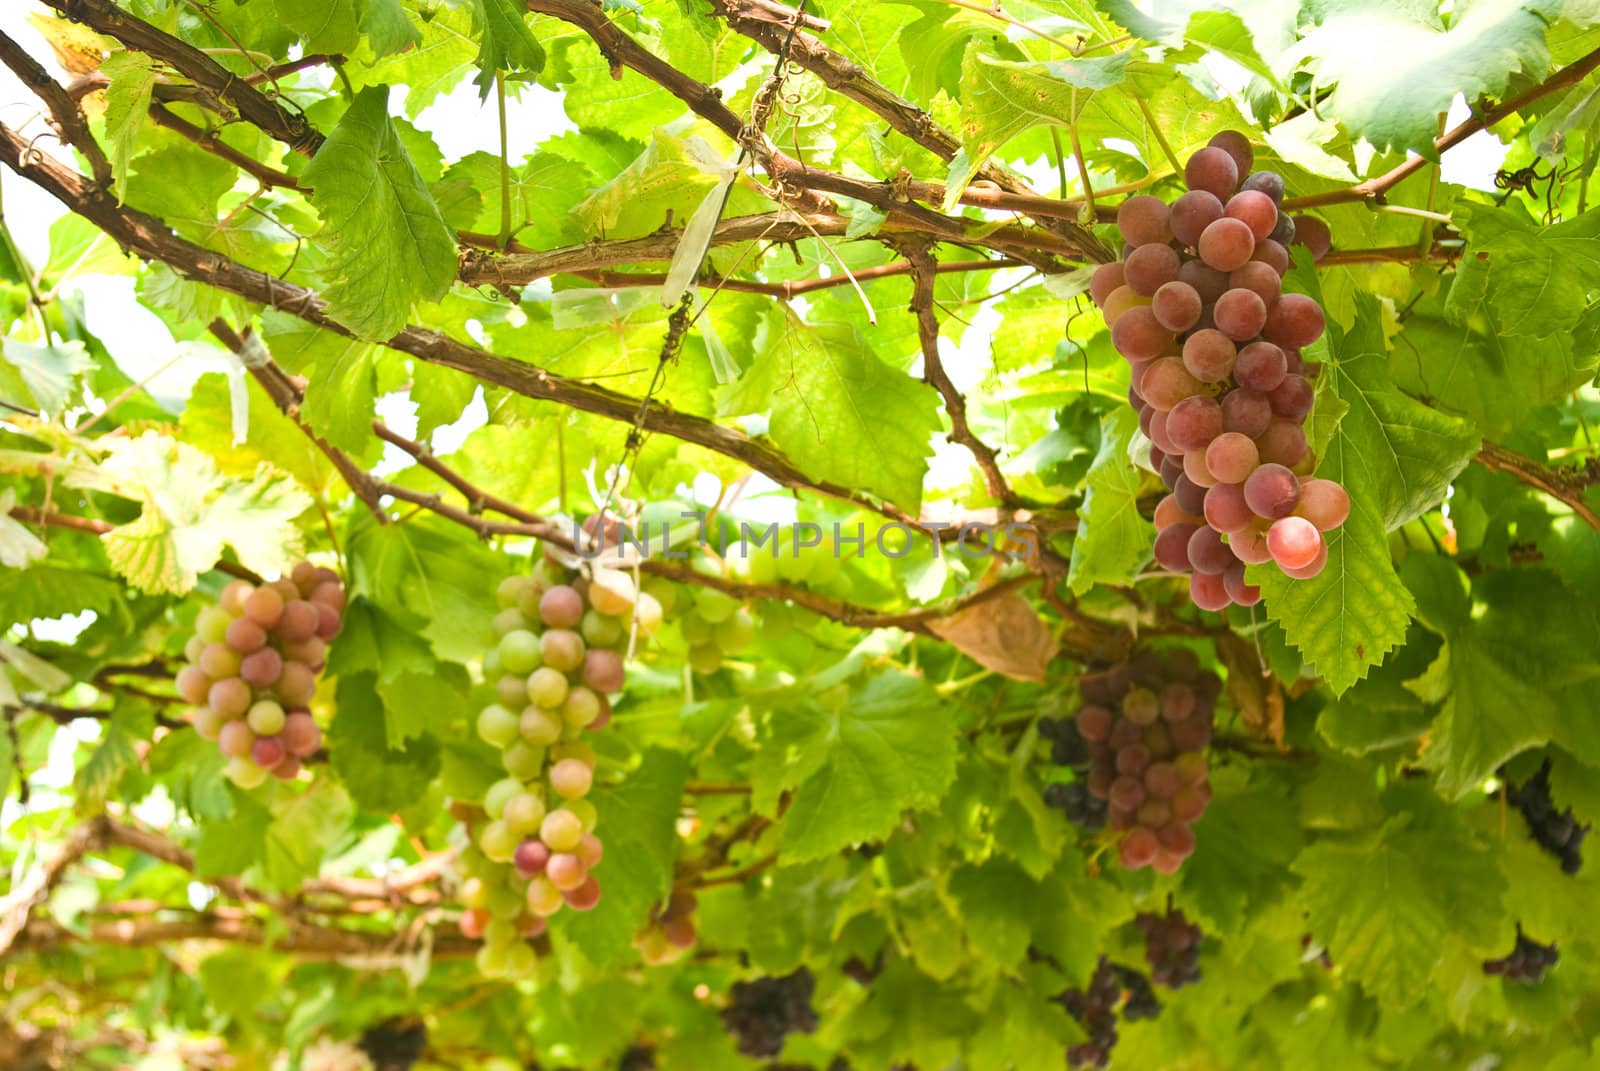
pixel 302 829
pixel 1113 538
pixel 990 897
pixel 412 702
pixel 1243 842
pixel 380 775
pixel 840 413
pixel 507 44
pixel 46 373
pixel 341 397
pixel 430 577
pixel 388 27
pixel 231 845
pixel 388 246
pixel 324 25
pixel 49 590
pixel 133 77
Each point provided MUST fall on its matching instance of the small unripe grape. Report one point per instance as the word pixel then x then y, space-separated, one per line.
pixel 604 671
pixel 472 922
pixel 544 899
pixel 561 607
pixel 301 733
pixel 193 684
pixel 474 892
pixel 590 850
pixel 561 830
pixel 497 725
pixel 522 761
pixel 531 858
pixel 705 659
pixel 229 697
pixel 508 621
pixel 581 708
pixel 714 605
pixel 264 606
pixel 519 652
pixel 261 669
pixel 207 722
pixel 585 896
pixel 679 931
pixel 1141 706
pixel 296 684
pixel 648 612
pixel 211 624
pixel 194 648
pixel 587 815
pixel 497 841
pixel 245 773
pixel 511 590
pixel 268 751
pixel 235 740
pixel 547 687
pixel 735 634
pixel 541 726
pixel 218 661
pixel 492 961
pixel 233 596
pixel 266 718
pixel 611 592
pixel 571 779
pixel 565 871
pixel 562 649
pixel 511 691
pixel 523 813
pixel 697 631
pixel 503 901
pixel 599 630
pixel 499 794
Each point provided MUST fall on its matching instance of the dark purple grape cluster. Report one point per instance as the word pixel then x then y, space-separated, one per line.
pixel 252 671
pixel 761 1013
pixel 1527 963
pixel 1197 307
pixel 1072 798
pixel 1171 947
pixel 637 1058
pixel 1146 724
pixel 1096 1009
pixel 1557 832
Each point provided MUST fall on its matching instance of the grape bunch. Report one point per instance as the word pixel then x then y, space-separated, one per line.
pixel 1095 1009
pixel 714 624
pixel 1196 306
pixel 670 931
pixel 558 659
pixel 1171 947
pixel 1527 962
pixel 760 1014
pixel 1557 832
pixel 252 671
pixel 1146 724
pixel 1072 798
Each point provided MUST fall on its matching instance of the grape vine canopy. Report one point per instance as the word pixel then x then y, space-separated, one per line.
pixel 587 534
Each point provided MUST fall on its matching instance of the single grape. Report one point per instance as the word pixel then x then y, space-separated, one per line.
pixel 1242 593
pixel 243 772
pixel 261 669
pixel 1191 497
pixel 231 601
pixel 268 751
pixel 1207 281
pixel 1273 254
pixel 1194 422
pixel 1250 546
pixel 1192 213
pixel 1141 706
pixel 540 726
pixel 561 607
pixel 1212 170
pixel 235 740
pixel 508 621
pixel 1176 306
pixel 1227 244
pixel 1138 848
pixel 1191 767
pixel 1292 398
pixel 544 899
pixel 1127 792
pixel 1149 267
pixel 1139 336
pixel 571 779
pixel 1237 146
pixel 548 687
pixel 1122 300
pixel 266 718
pixel 497 725
pixel 1177 701
pixel 296 684
pixel 1231 456
pixel 1168 512
pixel 1208 356
pixel 264 606
pixel 1267 182
pixel 207 722
pixel 603 630
pixel 1226 510
pixel 1312 233
pixel 1207 552
pixel 1261 367
pixel 604 671
pixel 581 708
pixel 562 649
pixel 229 697
pixel 1283 233
pixel 1171 469
pixel 1324 503
pixel 1283 443
pixel 329 621
pixel 587 895
pixel 530 858
pixel 193 685
pixel 611 591
pixel 218 661
pixel 1312 568
pixel 561 830
pixel 1172 547
pixel 1272 492
pixel 565 871
pixel 590 850
pixel 195 646
pixel 1144 219
pixel 244 635
pixel 301 734
pixel 1240 314
pixel 511 691
pixel 734 635
pixel 519 652
pixel 1255 210
pixel 1207 592
pixel 499 794
pixel 1257 277
pixel 1106 278
pixel 1194 467
pixel 1153 813
pixel 1294 542
pixel 1168 381
pixel 1093 722
pixel 523 813
pixel 299 620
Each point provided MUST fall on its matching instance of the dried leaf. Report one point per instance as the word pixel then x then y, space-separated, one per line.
pixel 1004 634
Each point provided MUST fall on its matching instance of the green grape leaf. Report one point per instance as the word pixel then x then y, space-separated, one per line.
pixel 1534 280
pixel 112 757
pixel 387 244
pixel 1113 538
pixel 190 512
pixel 48 590
pixel 302 830
pixel 840 413
pixel 341 397
pixel 388 27
pixel 133 77
pixel 1393 907
pixel 1243 842
pixel 191 768
pixel 990 897
pixel 47 373
pixel 876 753
pixel 429 576
pixel 324 25
pixel 232 845
pixel 506 43
pixel 381 776
pixel 1394 69
pixel 415 702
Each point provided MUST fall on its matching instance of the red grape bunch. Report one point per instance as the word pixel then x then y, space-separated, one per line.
pixel 1171 947
pixel 252 671
pixel 1147 724
pixel 670 931
pixel 1197 307
pixel 1095 1009
pixel 558 660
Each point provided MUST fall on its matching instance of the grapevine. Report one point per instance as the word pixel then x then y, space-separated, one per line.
pixel 1197 307
pixel 251 671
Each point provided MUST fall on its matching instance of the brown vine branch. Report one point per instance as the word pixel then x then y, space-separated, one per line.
pixel 352 948
pixel 923 268
pixel 1374 189
pixel 35 886
pixel 69 122
pixel 211 142
pixel 1566 485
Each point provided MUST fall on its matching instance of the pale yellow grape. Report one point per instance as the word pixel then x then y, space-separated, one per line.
pixel 599 630
pixel 498 726
pixel 561 830
pixel 581 708
pixel 474 893
pixel 571 779
pixel 524 813
pixel 266 718
pixel 611 591
pixel 586 814
pixel 497 841
pixel 547 687
pixel 648 612
pixel 541 727
pixel 246 774
pixel 522 761
pixel 544 899
pixel 499 794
